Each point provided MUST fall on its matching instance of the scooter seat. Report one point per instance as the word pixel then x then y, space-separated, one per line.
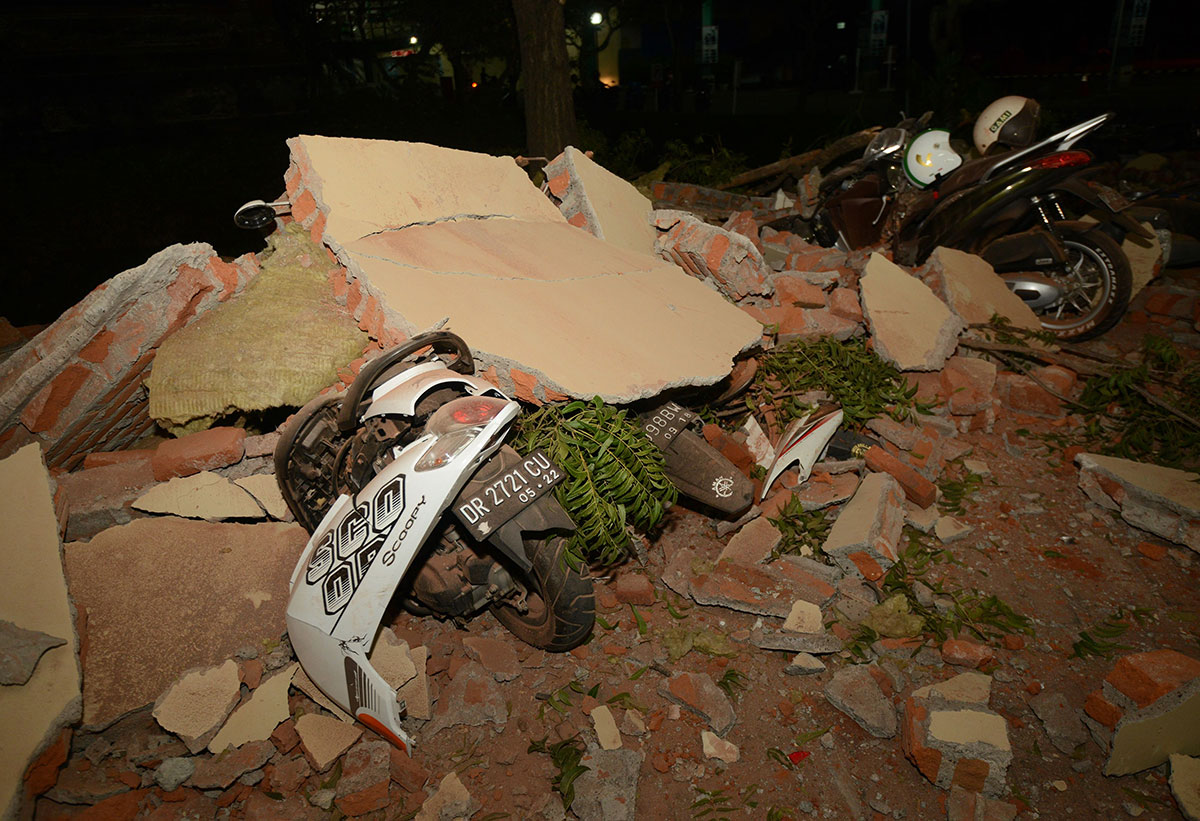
pixel 969 173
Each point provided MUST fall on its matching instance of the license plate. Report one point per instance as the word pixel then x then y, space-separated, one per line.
pixel 1113 199
pixel 665 423
pixel 485 508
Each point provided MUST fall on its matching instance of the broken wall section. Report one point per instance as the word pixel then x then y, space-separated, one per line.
pixel 77 386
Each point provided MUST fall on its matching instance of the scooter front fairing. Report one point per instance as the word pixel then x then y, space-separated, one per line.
pixel 363 548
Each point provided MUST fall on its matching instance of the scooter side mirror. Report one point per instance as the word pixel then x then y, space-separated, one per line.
pixel 256 214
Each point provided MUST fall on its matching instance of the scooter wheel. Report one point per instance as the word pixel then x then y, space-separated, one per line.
pixel 1100 280
pixel 561 604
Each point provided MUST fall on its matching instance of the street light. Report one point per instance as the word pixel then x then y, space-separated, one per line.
pixel 412 41
pixel 597 18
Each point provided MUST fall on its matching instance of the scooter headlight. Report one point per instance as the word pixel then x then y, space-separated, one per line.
pixel 456 424
pixel 465 412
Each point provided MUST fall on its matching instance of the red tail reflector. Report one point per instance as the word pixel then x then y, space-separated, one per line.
pixel 1063 159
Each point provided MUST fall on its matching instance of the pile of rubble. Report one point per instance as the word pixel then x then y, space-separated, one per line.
pixel 380 244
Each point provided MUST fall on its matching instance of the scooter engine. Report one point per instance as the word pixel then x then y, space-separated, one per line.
pixel 457 580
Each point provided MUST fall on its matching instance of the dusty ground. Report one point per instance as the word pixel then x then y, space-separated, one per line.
pixel 1038 544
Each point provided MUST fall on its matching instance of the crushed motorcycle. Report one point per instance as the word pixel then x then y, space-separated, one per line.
pixel 414 499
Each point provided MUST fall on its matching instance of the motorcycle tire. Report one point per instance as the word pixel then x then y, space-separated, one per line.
pixel 562 605
pixel 1090 249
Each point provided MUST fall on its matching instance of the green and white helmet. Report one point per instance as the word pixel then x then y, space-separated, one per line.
pixel 930 157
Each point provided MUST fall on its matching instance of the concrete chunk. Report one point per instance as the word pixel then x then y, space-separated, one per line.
pixel 1161 500
pixel 716 747
pixel 20 651
pixel 32 714
pixel 235 575
pixel 863 539
pixel 265 490
pixel 1185 785
pixel 805 617
pixel 206 495
pixel 855 692
pixel 606 728
pixel 911 328
pixel 450 800
pixel 255 720
pixel 324 739
pixel 974 291
pixel 600 202
pixel 195 706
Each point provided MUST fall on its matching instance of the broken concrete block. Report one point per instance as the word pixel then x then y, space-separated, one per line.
pixel 965 805
pixel 1185 785
pixel 156 562
pixel 863 539
pixel 277 345
pixel 1147 708
pixel 805 617
pixel 911 328
pixel 600 202
pixel 974 291
pixel 609 788
pixel 767 590
pixel 743 222
pixel 76 387
pixel 948 529
pixel 1021 393
pixel 716 747
pixel 855 692
pixel 258 717
pixel 964 653
pixel 753 543
pixel 1060 720
pixel 953 739
pixel 265 490
pixel 219 772
pixel 923 519
pixel 449 800
pixel 825 489
pixel 391 659
pixel 503 261
pixel 325 739
pixel 804 664
pixel 699 694
pixel 196 705
pixel 1161 500
pixel 33 714
pixel 21 650
pixel 727 260
pixel 206 495
pixel 606 728
pixel 816 643
pixel 415 694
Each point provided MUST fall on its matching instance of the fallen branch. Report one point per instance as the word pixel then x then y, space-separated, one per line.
pixel 800 164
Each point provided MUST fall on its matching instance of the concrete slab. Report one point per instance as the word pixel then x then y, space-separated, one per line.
pixel 911 328
pixel 165 595
pixel 35 599
pixel 607 206
pixel 974 291
pixel 1161 500
pixel 436 233
pixel 198 703
pixel 258 717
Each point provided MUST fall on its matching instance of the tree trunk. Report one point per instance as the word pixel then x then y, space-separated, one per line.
pixel 549 108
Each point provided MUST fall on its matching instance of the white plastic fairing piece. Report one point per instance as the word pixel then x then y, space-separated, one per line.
pixel 803 443
pixel 355 560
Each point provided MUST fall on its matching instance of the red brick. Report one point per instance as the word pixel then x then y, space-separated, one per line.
pixel 206 450
pixel 965 653
pixel 970 774
pixel 798 292
pixel 633 588
pixel 866 565
pixel 337 281
pixel 743 223
pixel 1057 377
pixel 125 805
pixel 579 220
pixel 553 395
pixel 919 490
pixel 406 772
pixel 303 207
pixel 1146 677
pixel 559 183
pixel 843 302
pixel 115 457
pixel 42 772
pixel 42 412
pixel 714 253
pixel 1150 550
pixel 1099 708
pixel 97 349
pixel 1111 486
pixel 1021 393
pixel 317 231
pixel 523 385
pixel 227 274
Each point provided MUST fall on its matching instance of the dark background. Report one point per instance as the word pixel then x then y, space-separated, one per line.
pixel 127 127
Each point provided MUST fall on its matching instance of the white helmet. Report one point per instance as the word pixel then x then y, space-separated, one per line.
pixel 1010 121
pixel 930 157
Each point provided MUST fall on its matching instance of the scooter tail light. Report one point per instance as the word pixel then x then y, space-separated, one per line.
pixel 1062 159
